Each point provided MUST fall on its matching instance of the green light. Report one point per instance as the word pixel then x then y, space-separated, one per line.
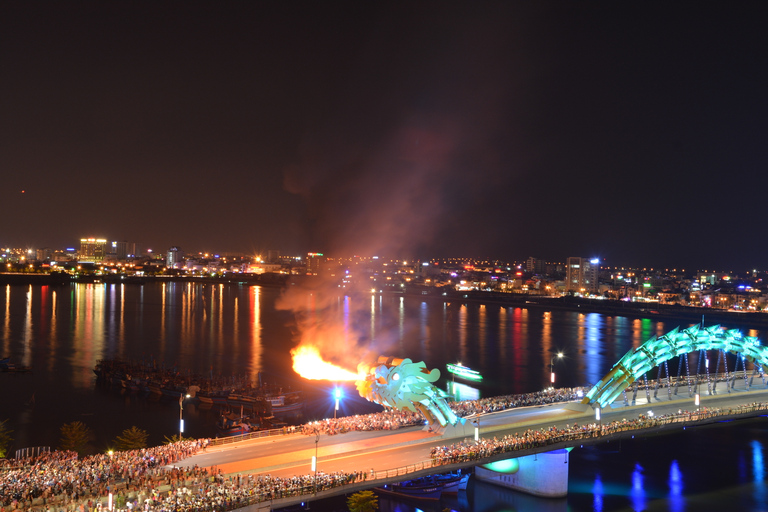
pixel 658 350
pixel 509 466
pixel 464 372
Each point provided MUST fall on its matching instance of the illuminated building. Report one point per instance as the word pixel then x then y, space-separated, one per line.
pixel 174 257
pixel 92 250
pixel 581 274
pixel 314 260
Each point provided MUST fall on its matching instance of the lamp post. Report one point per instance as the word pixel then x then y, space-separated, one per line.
pixel 337 396
pixel 599 418
pixel 181 410
pixel 559 355
pixel 109 483
pixel 314 459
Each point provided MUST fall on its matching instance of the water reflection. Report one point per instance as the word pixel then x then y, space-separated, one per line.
pixel 675 483
pixel 593 340
pixel 460 391
pixel 255 312
pixel 597 491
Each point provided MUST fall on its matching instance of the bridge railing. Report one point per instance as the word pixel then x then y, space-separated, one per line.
pixel 218 441
pixel 403 470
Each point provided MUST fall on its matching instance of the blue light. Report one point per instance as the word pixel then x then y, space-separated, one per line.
pixel 638 493
pixel 757 461
pixel 675 482
pixel 337 393
pixel 597 492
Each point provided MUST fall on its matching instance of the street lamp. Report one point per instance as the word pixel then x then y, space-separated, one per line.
pixel 337 396
pixel 314 459
pixel 552 366
pixel 181 410
pixel 109 501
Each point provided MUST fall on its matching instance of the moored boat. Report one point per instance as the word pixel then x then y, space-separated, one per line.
pixel 231 424
pixel 429 487
pixel 7 366
pixel 286 403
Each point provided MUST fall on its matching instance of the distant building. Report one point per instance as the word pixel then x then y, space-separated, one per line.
pixel 534 265
pixel 314 262
pixel 44 254
pixel 92 250
pixel 175 257
pixel 581 274
pixel 121 250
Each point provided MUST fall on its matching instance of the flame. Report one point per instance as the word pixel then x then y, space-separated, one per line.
pixel 308 363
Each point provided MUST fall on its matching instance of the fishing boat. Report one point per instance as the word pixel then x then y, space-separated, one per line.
pixel 214 397
pixel 464 372
pixel 7 366
pixel 286 402
pixel 231 424
pixel 429 487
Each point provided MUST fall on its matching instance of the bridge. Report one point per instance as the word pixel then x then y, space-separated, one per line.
pixel 386 457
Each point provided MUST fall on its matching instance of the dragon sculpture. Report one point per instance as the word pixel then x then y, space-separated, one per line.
pixel 403 384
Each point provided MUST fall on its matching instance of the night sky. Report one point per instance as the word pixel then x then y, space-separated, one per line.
pixel 632 131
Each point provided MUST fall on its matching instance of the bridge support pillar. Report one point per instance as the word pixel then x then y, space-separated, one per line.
pixel 544 474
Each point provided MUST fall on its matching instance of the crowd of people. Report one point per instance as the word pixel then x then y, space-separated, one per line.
pixel 144 480
pixel 392 419
pixel 217 493
pixel 149 479
pixel 486 447
pixel 63 477
pixel 389 419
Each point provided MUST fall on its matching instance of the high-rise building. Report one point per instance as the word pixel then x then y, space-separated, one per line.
pixel 120 249
pixel 533 265
pixel 314 260
pixel 581 274
pixel 92 250
pixel 175 258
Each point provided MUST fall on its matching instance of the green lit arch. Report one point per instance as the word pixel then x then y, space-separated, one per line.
pixel 657 350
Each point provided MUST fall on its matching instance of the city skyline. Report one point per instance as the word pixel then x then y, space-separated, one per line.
pixel 501 129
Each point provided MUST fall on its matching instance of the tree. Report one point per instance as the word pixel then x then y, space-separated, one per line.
pixel 5 439
pixel 133 438
pixel 175 438
pixel 75 436
pixel 363 501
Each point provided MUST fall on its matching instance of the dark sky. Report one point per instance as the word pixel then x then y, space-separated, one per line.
pixel 633 131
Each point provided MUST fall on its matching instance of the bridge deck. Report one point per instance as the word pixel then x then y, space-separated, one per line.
pixel 393 454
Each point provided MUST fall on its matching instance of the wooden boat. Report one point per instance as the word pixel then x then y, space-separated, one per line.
pixel 286 403
pixel 218 398
pixel 428 487
pixel 7 366
pixel 231 424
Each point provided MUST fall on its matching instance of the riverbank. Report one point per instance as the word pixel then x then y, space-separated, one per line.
pixel 650 310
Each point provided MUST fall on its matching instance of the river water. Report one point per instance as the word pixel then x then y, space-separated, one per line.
pixel 237 331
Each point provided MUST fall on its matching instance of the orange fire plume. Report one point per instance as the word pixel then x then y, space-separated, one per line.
pixel 308 363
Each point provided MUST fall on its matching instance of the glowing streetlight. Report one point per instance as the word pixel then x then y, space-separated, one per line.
pixel 552 366
pixel 181 410
pixel 314 459
pixel 337 395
